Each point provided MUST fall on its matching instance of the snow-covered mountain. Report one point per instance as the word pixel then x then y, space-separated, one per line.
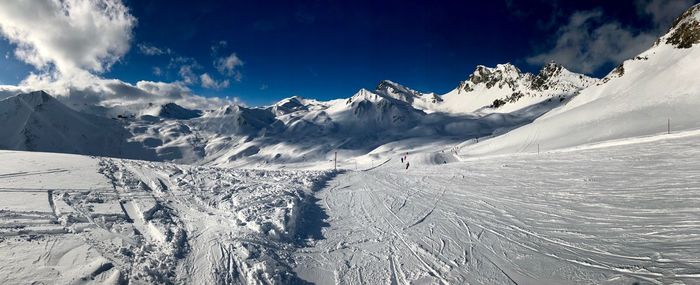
pixel 172 111
pixel 642 96
pixel 421 101
pixel 37 121
pixel 505 88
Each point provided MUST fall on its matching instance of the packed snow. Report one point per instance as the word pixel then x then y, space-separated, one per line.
pixel 603 215
pixel 75 219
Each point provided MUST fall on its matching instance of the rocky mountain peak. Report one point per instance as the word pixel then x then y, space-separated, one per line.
pixel 501 76
pixel 685 31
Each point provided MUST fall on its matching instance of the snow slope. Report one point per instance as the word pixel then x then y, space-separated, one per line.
pixel 640 97
pixel 609 215
pixel 83 220
pixel 37 121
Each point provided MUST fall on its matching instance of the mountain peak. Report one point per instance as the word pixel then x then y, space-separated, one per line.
pixel 175 111
pixel 388 85
pixel 685 31
pixel 289 105
pixel 500 76
pixel 551 69
pixel 34 98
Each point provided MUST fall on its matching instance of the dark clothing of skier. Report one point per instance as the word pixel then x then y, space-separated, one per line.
pixel 407 165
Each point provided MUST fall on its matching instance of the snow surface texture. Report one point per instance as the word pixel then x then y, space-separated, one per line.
pixel 73 219
pixel 607 215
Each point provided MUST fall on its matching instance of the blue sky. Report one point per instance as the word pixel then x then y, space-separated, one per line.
pixel 330 49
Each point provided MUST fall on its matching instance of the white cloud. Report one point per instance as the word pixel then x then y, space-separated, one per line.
pixel 187 74
pixel 89 90
pixel 157 71
pixel 229 66
pixel 71 41
pixel 68 35
pixel 211 83
pixel 186 68
pixel 152 50
pixel 662 12
pixel 587 43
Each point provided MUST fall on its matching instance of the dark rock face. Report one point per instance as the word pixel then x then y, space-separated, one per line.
pixel 685 29
pixel 686 35
pixel 548 71
pixel 493 78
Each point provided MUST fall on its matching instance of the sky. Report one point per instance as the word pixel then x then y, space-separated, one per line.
pixel 258 52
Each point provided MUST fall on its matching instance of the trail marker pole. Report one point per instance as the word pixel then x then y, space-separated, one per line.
pixel 335 161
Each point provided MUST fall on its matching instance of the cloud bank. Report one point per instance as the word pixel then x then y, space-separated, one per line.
pixel 70 35
pixel 71 42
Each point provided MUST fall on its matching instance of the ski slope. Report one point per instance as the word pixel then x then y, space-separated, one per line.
pixel 605 215
pixel 614 213
pixel 69 219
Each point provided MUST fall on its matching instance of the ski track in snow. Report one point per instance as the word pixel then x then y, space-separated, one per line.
pixel 614 215
pixel 113 221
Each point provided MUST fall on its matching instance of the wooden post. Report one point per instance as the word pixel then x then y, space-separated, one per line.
pixel 335 161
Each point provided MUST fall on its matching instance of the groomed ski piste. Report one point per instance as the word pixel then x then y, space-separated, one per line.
pixel 612 213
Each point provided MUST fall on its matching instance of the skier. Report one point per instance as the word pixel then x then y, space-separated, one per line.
pixel 402 159
pixel 407 165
